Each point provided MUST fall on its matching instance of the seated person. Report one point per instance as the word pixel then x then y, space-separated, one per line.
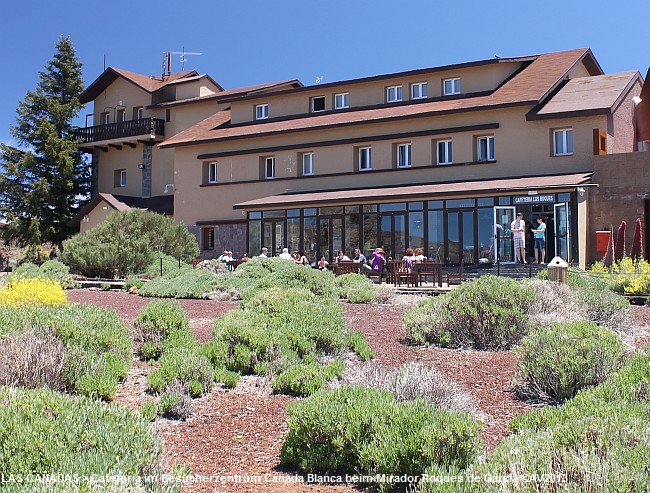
pixel 285 255
pixel 359 257
pixel 377 260
pixel 322 263
pixel 419 255
pixel 341 257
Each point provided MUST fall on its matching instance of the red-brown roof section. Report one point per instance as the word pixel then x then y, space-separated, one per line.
pixel 529 86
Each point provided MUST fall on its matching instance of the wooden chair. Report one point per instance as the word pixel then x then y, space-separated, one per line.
pixel 429 269
pixel 347 267
pixel 402 271
pixel 456 275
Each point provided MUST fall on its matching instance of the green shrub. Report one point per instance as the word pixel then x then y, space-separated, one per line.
pixel 489 312
pixel 175 404
pixel 359 344
pixel 216 351
pixel 192 284
pixel 133 284
pixel 556 362
pixel 155 322
pixel 51 269
pixel 42 431
pixel 181 365
pixel 98 345
pixel 229 379
pixel 356 288
pixel 148 410
pixel 305 379
pixel 600 303
pixel 366 431
pixel 597 441
pixel 129 242
pixel 105 286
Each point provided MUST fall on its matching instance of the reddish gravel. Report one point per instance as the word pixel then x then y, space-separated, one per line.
pixel 239 432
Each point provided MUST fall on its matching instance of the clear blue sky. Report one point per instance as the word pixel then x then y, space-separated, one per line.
pixel 250 42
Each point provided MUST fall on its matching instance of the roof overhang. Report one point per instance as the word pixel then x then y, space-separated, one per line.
pixel 417 192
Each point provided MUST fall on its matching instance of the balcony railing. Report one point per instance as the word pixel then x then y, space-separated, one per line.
pixel 121 130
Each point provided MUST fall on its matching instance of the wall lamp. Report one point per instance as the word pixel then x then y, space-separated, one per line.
pixel 581 191
pixel 141 166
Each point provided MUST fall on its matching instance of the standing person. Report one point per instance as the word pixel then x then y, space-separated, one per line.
pixel 518 228
pixel 540 240
pixel 358 256
pixel 377 260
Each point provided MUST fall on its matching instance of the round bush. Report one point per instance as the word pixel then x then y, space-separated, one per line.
pixel 556 362
pixel 489 312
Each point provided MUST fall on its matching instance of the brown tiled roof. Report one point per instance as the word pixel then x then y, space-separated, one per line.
pixel 148 83
pixel 529 86
pixel 589 94
pixel 94 202
pixel 208 125
pixel 228 93
pixel 416 192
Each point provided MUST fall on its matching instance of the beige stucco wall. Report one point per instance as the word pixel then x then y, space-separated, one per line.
pixel 128 93
pixel 195 88
pixel 96 216
pixel 113 160
pixel 473 79
pixel 521 148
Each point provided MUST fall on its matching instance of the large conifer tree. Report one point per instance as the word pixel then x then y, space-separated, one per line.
pixel 45 178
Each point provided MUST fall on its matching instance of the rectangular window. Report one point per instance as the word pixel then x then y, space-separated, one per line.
pixel 138 112
pixel 444 152
pixel 120 115
pixel 563 142
pixel 317 104
pixel 393 94
pixel 485 148
pixel 261 111
pixel 119 178
pixel 212 172
pixel 308 164
pixel 451 86
pixel 419 90
pixel 403 155
pixel 342 100
pixel 106 118
pixel 269 168
pixel 208 238
pixel 365 158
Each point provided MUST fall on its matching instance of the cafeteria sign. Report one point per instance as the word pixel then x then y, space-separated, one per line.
pixel 547 198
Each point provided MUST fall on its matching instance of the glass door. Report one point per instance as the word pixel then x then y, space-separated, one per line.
pixel 562 233
pixel 503 245
pixel 393 235
pixel 273 236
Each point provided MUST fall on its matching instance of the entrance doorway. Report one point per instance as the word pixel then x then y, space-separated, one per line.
pixel 562 231
pixel 461 237
pixel 503 245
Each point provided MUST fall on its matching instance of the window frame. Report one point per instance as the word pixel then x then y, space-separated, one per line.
pixel 105 118
pixel 264 114
pixel 420 86
pixel 271 160
pixel 367 150
pixel 489 139
pixel 138 112
pixel 344 105
pixel 565 141
pixel 447 144
pixel 212 166
pixel 309 155
pixel 453 91
pixel 398 94
pixel 408 155
pixel 208 238
pixel 311 104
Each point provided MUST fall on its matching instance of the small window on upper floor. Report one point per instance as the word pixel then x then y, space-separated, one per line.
pixel 261 111
pixel 105 118
pixel 563 142
pixel 365 158
pixel 403 155
pixel 268 164
pixel 212 172
pixel 308 164
pixel 341 100
pixel 393 94
pixel 485 148
pixel 138 112
pixel 451 86
pixel 317 104
pixel 120 115
pixel 444 152
pixel 119 178
pixel 419 90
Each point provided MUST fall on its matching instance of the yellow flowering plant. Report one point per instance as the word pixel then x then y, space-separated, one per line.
pixel 34 291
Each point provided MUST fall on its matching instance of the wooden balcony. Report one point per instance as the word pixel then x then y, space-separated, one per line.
pixel 127 131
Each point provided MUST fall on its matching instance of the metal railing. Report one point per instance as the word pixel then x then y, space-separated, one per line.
pixel 120 130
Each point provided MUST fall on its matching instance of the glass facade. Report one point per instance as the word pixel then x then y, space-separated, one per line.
pixel 447 230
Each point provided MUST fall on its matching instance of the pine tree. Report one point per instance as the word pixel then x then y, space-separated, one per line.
pixel 46 178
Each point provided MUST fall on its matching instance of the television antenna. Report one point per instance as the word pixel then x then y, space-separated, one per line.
pixel 167 59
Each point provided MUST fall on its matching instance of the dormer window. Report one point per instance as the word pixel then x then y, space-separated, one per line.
pixel 317 104
pixel 261 111
pixel 451 86
pixel 393 94
pixel 419 90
